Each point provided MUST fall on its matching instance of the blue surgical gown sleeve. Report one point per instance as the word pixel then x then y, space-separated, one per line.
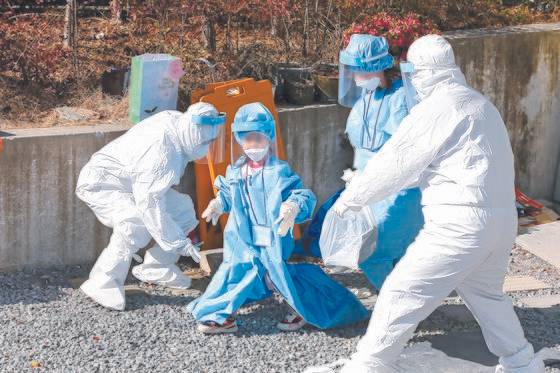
pixel 304 198
pixel 398 110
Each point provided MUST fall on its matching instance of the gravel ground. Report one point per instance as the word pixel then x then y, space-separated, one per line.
pixel 48 325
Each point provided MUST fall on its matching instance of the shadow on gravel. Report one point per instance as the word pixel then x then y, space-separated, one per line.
pixel 470 345
pixel 28 296
pixel 549 314
pixel 31 287
pixel 353 280
pixel 351 331
pixel 137 300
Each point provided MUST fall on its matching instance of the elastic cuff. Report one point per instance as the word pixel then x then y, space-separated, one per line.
pixel 222 203
pixel 521 359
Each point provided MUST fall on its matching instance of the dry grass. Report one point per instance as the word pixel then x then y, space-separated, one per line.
pixel 109 108
pixel 252 52
pixel 40 113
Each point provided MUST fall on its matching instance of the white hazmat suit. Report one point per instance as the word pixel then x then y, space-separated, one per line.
pixel 127 184
pixel 455 147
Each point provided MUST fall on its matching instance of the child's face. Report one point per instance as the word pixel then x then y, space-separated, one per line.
pixel 255 140
pixel 365 76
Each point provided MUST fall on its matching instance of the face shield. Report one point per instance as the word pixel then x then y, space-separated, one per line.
pixel 407 70
pixel 420 79
pixel 359 75
pixel 213 130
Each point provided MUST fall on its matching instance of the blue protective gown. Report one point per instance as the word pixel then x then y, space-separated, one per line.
pixel 240 279
pixel 399 217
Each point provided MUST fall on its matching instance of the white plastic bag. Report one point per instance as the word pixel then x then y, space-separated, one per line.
pixel 348 241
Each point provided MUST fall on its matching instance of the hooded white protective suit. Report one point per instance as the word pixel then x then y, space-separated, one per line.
pixel 454 145
pixel 128 184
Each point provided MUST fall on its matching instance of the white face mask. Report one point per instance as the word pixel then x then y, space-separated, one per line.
pixel 257 154
pixel 369 84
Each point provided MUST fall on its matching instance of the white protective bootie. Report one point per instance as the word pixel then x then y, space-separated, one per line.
pixel 106 280
pixel 524 361
pixel 327 368
pixel 351 366
pixel 159 268
pixel 341 366
pixel 535 366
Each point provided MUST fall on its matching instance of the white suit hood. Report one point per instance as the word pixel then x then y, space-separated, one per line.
pixel 434 64
pixel 194 138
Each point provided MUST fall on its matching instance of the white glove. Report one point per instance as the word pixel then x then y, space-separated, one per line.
pixel 191 250
pixel 340 208
pixel 213 211
pixel 328 368
pixel 348 175
pixel 287 218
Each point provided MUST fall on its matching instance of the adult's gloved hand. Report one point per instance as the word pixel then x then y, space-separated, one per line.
pixel 287 219
pixel 348 175
pixel 213 211
pixel 339 208
pixel 191 250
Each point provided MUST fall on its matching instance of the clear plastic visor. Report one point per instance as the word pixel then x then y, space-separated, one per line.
pixel 407 71
pixel 352 84
pixel 216 139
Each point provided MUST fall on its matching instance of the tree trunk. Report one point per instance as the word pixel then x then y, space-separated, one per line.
pixel 71 32
pixel 273 25
pixel 227 45
pixel 209 34
pixel 237 37
pixel 116 11
pixel 305 35
pixel 70 24
pixel 182 36
pixel 286 39
pixel 67 24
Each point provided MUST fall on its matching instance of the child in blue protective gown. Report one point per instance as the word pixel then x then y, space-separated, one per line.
pixel 264 199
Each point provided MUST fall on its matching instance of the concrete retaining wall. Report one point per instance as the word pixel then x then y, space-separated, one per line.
pixel 518 69
pixel 42 223
pixel 316 146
